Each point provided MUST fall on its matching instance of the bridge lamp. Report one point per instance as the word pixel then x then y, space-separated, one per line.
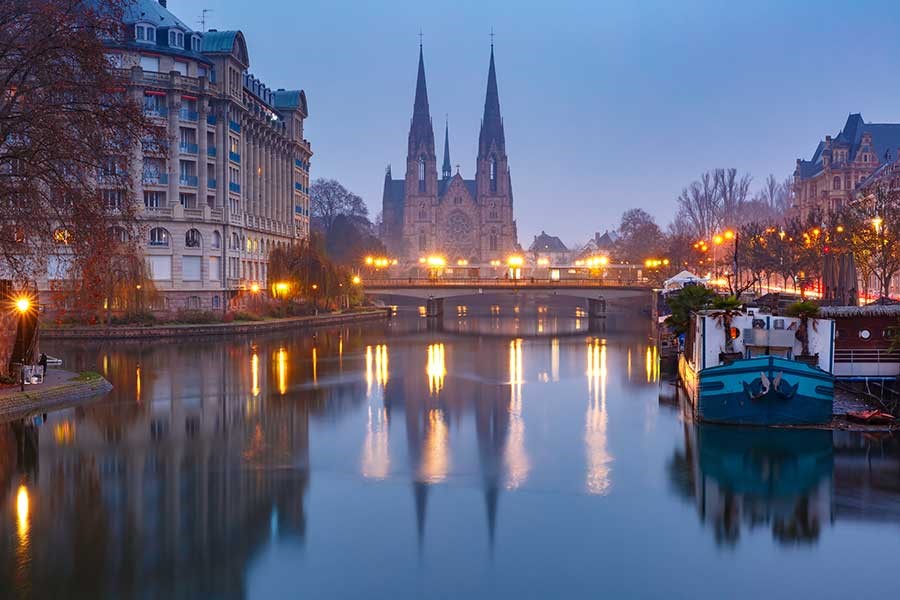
pixel 603 261
pixel 717 240
pixel 369 260
pixel 729 235
pixel 515 261
pixel 254 288
pixel 356 280
pixel 436 261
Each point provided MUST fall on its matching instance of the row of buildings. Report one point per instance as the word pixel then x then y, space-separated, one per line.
pixel 234 181
pixel 843 164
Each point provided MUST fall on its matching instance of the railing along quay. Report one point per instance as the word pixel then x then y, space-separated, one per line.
pixel 405 282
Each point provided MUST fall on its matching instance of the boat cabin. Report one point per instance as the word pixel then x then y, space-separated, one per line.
pixel 753 334
pixel 864 337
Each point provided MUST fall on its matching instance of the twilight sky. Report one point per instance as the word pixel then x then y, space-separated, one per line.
pixel 608 105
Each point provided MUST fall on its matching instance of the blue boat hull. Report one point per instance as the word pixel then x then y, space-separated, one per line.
pixel 764 390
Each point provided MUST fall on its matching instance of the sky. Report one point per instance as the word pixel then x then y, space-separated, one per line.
pixel 607 105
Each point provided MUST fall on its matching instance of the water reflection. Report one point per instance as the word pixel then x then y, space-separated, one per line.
pixel 747 478
pixel 436 450
pixel 598 456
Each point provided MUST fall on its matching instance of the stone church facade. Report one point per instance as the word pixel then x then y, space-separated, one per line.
pixel 459 219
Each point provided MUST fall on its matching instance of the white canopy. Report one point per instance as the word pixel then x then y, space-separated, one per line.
pixel 683 278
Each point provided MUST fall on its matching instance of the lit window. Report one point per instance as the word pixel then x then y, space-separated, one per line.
pixel 62 236
pixel 159 237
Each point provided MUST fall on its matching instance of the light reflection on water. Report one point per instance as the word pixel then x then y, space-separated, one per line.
pixel 283 464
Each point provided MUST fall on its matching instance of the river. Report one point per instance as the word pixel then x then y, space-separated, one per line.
pixel 512 452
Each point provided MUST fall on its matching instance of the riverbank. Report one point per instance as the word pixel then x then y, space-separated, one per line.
pixel 125 332
pixel 60 389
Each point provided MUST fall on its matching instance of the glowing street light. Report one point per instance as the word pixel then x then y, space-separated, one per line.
pixel 23 304
pixel 436 261
pixel 356 280
pixel 717 240
pixel 515 261
pixel 254 288
pixel 729 235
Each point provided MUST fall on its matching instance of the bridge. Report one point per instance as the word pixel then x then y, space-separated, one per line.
pixel 598 292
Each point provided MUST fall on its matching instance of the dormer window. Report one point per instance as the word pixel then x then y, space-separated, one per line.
pixel 195 43
pixel 176 38
pixel 145 33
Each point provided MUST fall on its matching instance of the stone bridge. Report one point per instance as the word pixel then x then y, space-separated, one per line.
pixel 597 292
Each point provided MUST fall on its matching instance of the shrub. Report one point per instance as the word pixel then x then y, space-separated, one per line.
pixel 197 317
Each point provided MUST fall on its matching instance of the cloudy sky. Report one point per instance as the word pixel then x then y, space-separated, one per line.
pixel 608 105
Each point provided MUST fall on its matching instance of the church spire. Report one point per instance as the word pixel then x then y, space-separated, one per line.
pixel 421 134
pixel 446 169
pixel 491 122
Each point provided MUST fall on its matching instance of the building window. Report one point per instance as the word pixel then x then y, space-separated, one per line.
pixel 457 200
pixel 493 240
pixel 190 268
pixel 159 237
pixel 216 239
pixel 235 241
pixel 216 302
pixel 176 38
pixel 865 158
pixel 118 233
pixel 836 183
pixel 150 63
pixel 423 215
pixel 154 200
pixel 422 241
pixel 113 199
pixel 195 43
pixel 493 173
pixel 192 238
pixel 145 33
pixel 422 174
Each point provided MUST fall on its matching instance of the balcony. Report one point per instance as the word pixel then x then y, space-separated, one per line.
pixel 234 187
pixel 188 180
pixel 234 157
pixel 234 126
pixel 211 151
pixel 188 115
pixel 211 183
pixel 155 179
pixel 210 119
pixel 157 111
pixel 187 148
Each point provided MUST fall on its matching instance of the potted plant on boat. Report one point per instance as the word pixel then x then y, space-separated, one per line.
pixel 804 310
pixel 726 308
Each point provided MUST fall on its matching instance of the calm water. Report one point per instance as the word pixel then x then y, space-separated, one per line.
pixel 509 454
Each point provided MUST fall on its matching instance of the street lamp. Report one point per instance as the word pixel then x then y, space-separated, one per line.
pixel 23 304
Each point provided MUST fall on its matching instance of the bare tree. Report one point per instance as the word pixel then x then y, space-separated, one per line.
pixel 330 199
pixel 699 207
pixel 733 191
pixel 69 131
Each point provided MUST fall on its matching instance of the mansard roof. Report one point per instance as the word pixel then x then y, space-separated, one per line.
pixel 291 100
pixel 885 142
pixel 547 243
pixel 151 11
pixel 226 42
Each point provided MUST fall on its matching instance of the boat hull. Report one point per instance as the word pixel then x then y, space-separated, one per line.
pixel 764 390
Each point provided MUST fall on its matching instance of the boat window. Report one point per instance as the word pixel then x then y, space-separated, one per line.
pixel 864 334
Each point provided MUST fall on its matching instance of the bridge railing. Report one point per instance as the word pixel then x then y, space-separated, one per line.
pixel 407 282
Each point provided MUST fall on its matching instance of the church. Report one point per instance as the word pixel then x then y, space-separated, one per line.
pixel 459 219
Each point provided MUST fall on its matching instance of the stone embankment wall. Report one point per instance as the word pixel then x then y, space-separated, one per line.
pixel 35 400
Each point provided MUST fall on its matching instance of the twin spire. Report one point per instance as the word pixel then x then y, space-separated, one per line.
pixel 421 133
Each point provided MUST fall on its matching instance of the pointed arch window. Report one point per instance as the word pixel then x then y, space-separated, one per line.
pixel 493 173
pixel 422 241
pixel 422 174
pixel 493 239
